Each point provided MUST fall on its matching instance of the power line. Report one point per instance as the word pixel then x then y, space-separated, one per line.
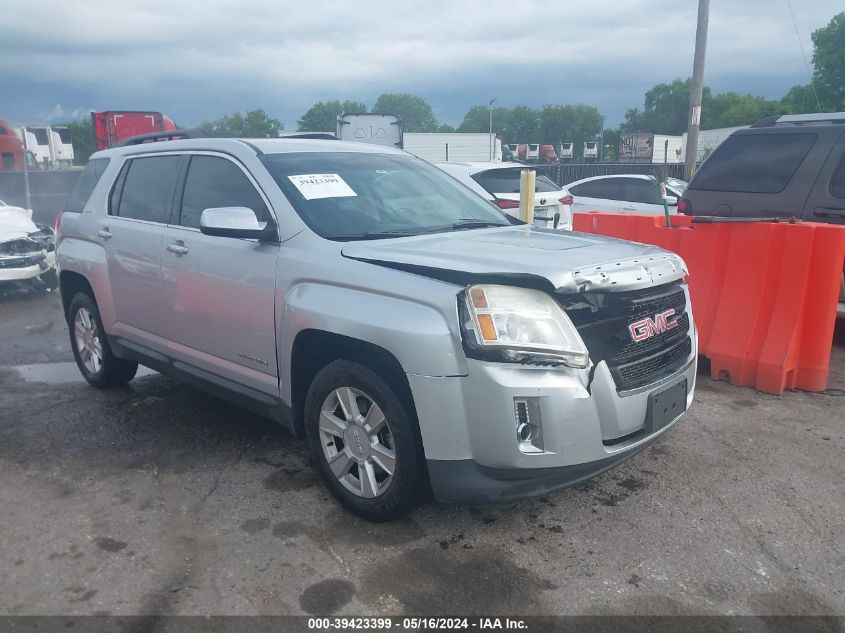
pixel 804 55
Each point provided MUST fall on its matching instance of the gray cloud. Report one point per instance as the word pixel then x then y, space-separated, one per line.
pixel 198 60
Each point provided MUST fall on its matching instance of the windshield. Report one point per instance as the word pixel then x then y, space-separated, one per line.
pixel 351 195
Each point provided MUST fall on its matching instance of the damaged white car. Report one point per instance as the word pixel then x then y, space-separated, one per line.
pixel 27 250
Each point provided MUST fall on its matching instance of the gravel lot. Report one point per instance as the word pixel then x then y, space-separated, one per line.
pixel 156 499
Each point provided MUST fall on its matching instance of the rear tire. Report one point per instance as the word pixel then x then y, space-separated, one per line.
pixel 90 345
pixel 364 442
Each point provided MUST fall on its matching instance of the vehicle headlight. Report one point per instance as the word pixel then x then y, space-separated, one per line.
pixel 512 324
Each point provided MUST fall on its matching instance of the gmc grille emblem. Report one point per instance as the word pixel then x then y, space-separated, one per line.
pixel 648 327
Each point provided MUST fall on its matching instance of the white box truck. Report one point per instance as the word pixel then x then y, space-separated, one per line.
pixel 377 129
pixel 453 147
pixel 61 146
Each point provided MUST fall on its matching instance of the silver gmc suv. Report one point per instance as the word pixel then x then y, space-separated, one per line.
pixel 416 336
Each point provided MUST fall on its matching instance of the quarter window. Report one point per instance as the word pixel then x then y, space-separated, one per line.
pixel 754 163
pixel 148 189
pixel 85 184
pixel 217 182
pixel 837 182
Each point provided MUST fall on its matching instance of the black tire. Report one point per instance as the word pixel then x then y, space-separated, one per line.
pixel 407 487
pixel 112 371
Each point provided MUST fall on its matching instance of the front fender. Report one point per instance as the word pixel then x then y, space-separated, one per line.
pixel 422 337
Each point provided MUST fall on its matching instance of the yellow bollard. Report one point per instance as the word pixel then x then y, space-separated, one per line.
pixel 527 181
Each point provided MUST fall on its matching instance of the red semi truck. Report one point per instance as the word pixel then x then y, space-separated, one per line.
pixel 11 148
pixel 113 126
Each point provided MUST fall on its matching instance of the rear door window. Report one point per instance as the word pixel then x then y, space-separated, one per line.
pixel 507 181
pixel 217 182
pixel 85 184
pixel 605 188
pixel 148 187
pixel 759 163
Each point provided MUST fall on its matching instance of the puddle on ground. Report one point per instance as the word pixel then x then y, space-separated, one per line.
pixel 56 373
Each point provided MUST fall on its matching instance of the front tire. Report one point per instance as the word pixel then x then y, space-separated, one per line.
pixel 98 365
pixel 364 442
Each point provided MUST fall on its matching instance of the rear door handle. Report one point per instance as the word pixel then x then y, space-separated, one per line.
pixel 104 233
pixel 178 247
pixel 629 208
pixel 829 213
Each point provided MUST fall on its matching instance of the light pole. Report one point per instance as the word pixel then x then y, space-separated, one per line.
pixel 492 101
pixel 601 141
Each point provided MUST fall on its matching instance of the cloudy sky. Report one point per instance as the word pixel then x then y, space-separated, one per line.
pixel 197 60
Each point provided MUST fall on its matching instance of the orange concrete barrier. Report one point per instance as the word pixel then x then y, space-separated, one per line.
pixel 764 294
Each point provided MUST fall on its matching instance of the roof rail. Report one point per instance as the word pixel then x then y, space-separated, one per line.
pixel 815 118
pixel 167 135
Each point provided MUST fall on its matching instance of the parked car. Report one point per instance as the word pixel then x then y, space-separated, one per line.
pixel 632 193
pixel 782 167
pixel 362 297
pixel 499 183
pixel 27 250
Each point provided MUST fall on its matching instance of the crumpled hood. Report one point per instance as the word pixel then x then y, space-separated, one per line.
pixel 15 223
pixel 571 262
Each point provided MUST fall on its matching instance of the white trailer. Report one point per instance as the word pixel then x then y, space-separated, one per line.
pixel 37 140
pixel 453 147
pixel 708 140
pixel 61 146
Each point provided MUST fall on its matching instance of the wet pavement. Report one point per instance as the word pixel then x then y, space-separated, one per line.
pixel 156 499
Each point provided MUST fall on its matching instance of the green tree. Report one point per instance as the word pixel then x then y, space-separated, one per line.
pixel 799 100
pixel 611 144
pixel 731 109
pixel 665 109
pixel 415 112
pixel 829 63
pixel 322 116
pixel 446 127
pixel 82 136
pixel 521 125
pixel 253 124
pixel 569 123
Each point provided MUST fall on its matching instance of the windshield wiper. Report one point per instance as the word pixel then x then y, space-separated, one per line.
pixel 377 235
pixel 465 223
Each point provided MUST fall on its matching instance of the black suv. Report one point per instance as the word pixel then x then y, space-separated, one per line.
pixel 780 167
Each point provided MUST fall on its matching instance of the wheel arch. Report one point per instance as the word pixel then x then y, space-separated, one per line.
pixel 313 349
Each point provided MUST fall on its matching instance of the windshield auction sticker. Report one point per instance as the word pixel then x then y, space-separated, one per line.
pixel 316 186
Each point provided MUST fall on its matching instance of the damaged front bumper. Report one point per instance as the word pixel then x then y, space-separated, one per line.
pixel 25 259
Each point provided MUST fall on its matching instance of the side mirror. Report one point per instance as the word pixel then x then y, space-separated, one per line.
pixel 238 222
pixel 671 201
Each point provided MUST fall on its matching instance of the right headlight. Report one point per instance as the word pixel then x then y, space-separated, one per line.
pixel 513 324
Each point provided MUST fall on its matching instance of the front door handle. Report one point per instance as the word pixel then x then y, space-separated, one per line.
pixel 821 212
pixel 178 247
pixel 629 208
pixel 104 233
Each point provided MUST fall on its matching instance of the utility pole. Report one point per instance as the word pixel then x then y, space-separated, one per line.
pixel 601 141
pixel 696 88
pixel 492 143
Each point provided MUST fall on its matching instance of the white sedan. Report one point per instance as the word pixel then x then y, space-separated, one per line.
pixel 631 193
pixel 27 251
pixel 499 183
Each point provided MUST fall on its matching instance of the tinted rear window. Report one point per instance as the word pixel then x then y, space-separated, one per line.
pixel 507 181
pixel 759 163
pixel 605 188
pixel 148 188
pixel 85 184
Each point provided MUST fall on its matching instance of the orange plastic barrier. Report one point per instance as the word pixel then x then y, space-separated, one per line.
pixel 764 294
